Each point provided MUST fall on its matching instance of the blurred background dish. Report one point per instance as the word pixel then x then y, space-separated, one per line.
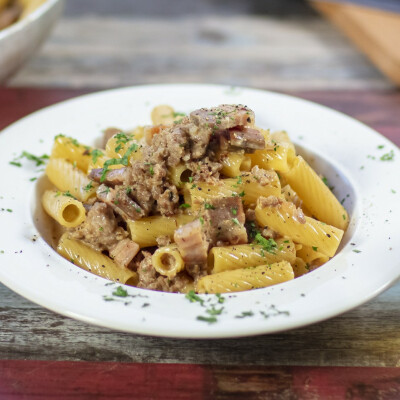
pixel 24 24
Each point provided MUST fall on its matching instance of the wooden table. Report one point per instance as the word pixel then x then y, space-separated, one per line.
pixel 44 355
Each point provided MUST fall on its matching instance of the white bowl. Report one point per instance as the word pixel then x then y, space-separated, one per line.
pixel 21 39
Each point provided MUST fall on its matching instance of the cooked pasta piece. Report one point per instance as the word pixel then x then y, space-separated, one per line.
pixel 72 150
pixel 179 174
pixel 249 255
pixel 234 163
pixel 146 230
pixel 283 217
pixel 300 267
pixel 165 115
pixel 93 261
pixel 316 196
pixel 64 209
pixel 312 256
pixel 118 145
pixel 65 177
pixel 168 261
pixel 246 278
pixel 245 186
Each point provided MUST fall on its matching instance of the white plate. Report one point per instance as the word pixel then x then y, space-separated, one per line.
pixel 338 146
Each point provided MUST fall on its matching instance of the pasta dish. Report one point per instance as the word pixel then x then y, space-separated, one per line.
pixel 206 202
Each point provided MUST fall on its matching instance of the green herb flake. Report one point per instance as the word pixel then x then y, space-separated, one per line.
pixel 241 194
pixel 88 186
pixel 128 190
pixel 95 154
pixel 381 146
pixel 101 229
pixel 120 292
pixel 32 179
pixel 268 245
pixel 393 191
pixel 210 320
pixel 344 216
pixel 245 314
pixel 190 179
pixel 68 194
pixel 209 206
pixel 185 205
pixel 16 163
pixel 388 156
pixel 235 221
pixel 201 219
pixel 9 210
pixel 220 298
pixel 315 248
pixel 356 251
pixel 214 311
pixel 193 297
pixel 234 211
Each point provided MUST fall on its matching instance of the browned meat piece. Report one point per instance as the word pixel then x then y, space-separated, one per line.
pixel 224 221
pixel 120 202
pixel 149 278
pixel 124 252
pixel 169 146
pixel 209 120
pixel 113 176
pixel 10 14
pixel 205 171
pixel 224 116
pixel 100 229
pixel 193 246
pixel 262 176
pixel 151 130
pixel 168 200
pixel 246 138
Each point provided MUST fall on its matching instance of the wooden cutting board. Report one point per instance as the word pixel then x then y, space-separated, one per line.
pixel 375 32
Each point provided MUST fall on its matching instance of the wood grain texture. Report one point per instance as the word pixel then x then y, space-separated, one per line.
pixel 374 31
pixel 367 336
pixel 105 380
pixel 249 50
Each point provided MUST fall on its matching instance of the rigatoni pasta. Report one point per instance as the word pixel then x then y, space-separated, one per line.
pixel 205 201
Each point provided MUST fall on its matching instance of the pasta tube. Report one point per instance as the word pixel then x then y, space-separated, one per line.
pixel 72 150
pixel 246 278
pixel 245 186
pixel 65 177
pixel 311 256
pixel 120 143
pixel 249 255
pixel 168 261
pixel 94 261
pixel 283 217
pixel 316 196
pixel 179 174
pixel 234 163
pixel 64 209
pixel 145 231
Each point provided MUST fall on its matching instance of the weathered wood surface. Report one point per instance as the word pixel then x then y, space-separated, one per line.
pixel 367 336
pixel 104 380
pixel 291 52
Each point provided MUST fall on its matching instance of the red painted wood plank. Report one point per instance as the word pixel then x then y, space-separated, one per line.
pixel 102 380
pixel 379 109
pixel 47 380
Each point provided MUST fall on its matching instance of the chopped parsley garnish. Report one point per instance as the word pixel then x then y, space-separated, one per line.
pixel 268 245
pixel 151 170
pixel 95 154
pixel 192 297
pixel 241 194
pixel 245 314
pixel 74 142
pixel 393 191
pixel 88 186
pixel 101 229
pixel 210 320
pixel 234 211
pixel 185 205
pixel 209 206
pixel 220 298
pixel 344 217
pixel 239 181
pixel 388 156
pixel 33 179
pixel 201 219
pixel 214 311
pixel 356 251
pixel 190 179
pixel 128 190
pixel 315 248
pixel 120 292
pixel 381 146
pixel 39 160
pixel 9 210
pixel 235 221
pixel 178 114
pixel 68 194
